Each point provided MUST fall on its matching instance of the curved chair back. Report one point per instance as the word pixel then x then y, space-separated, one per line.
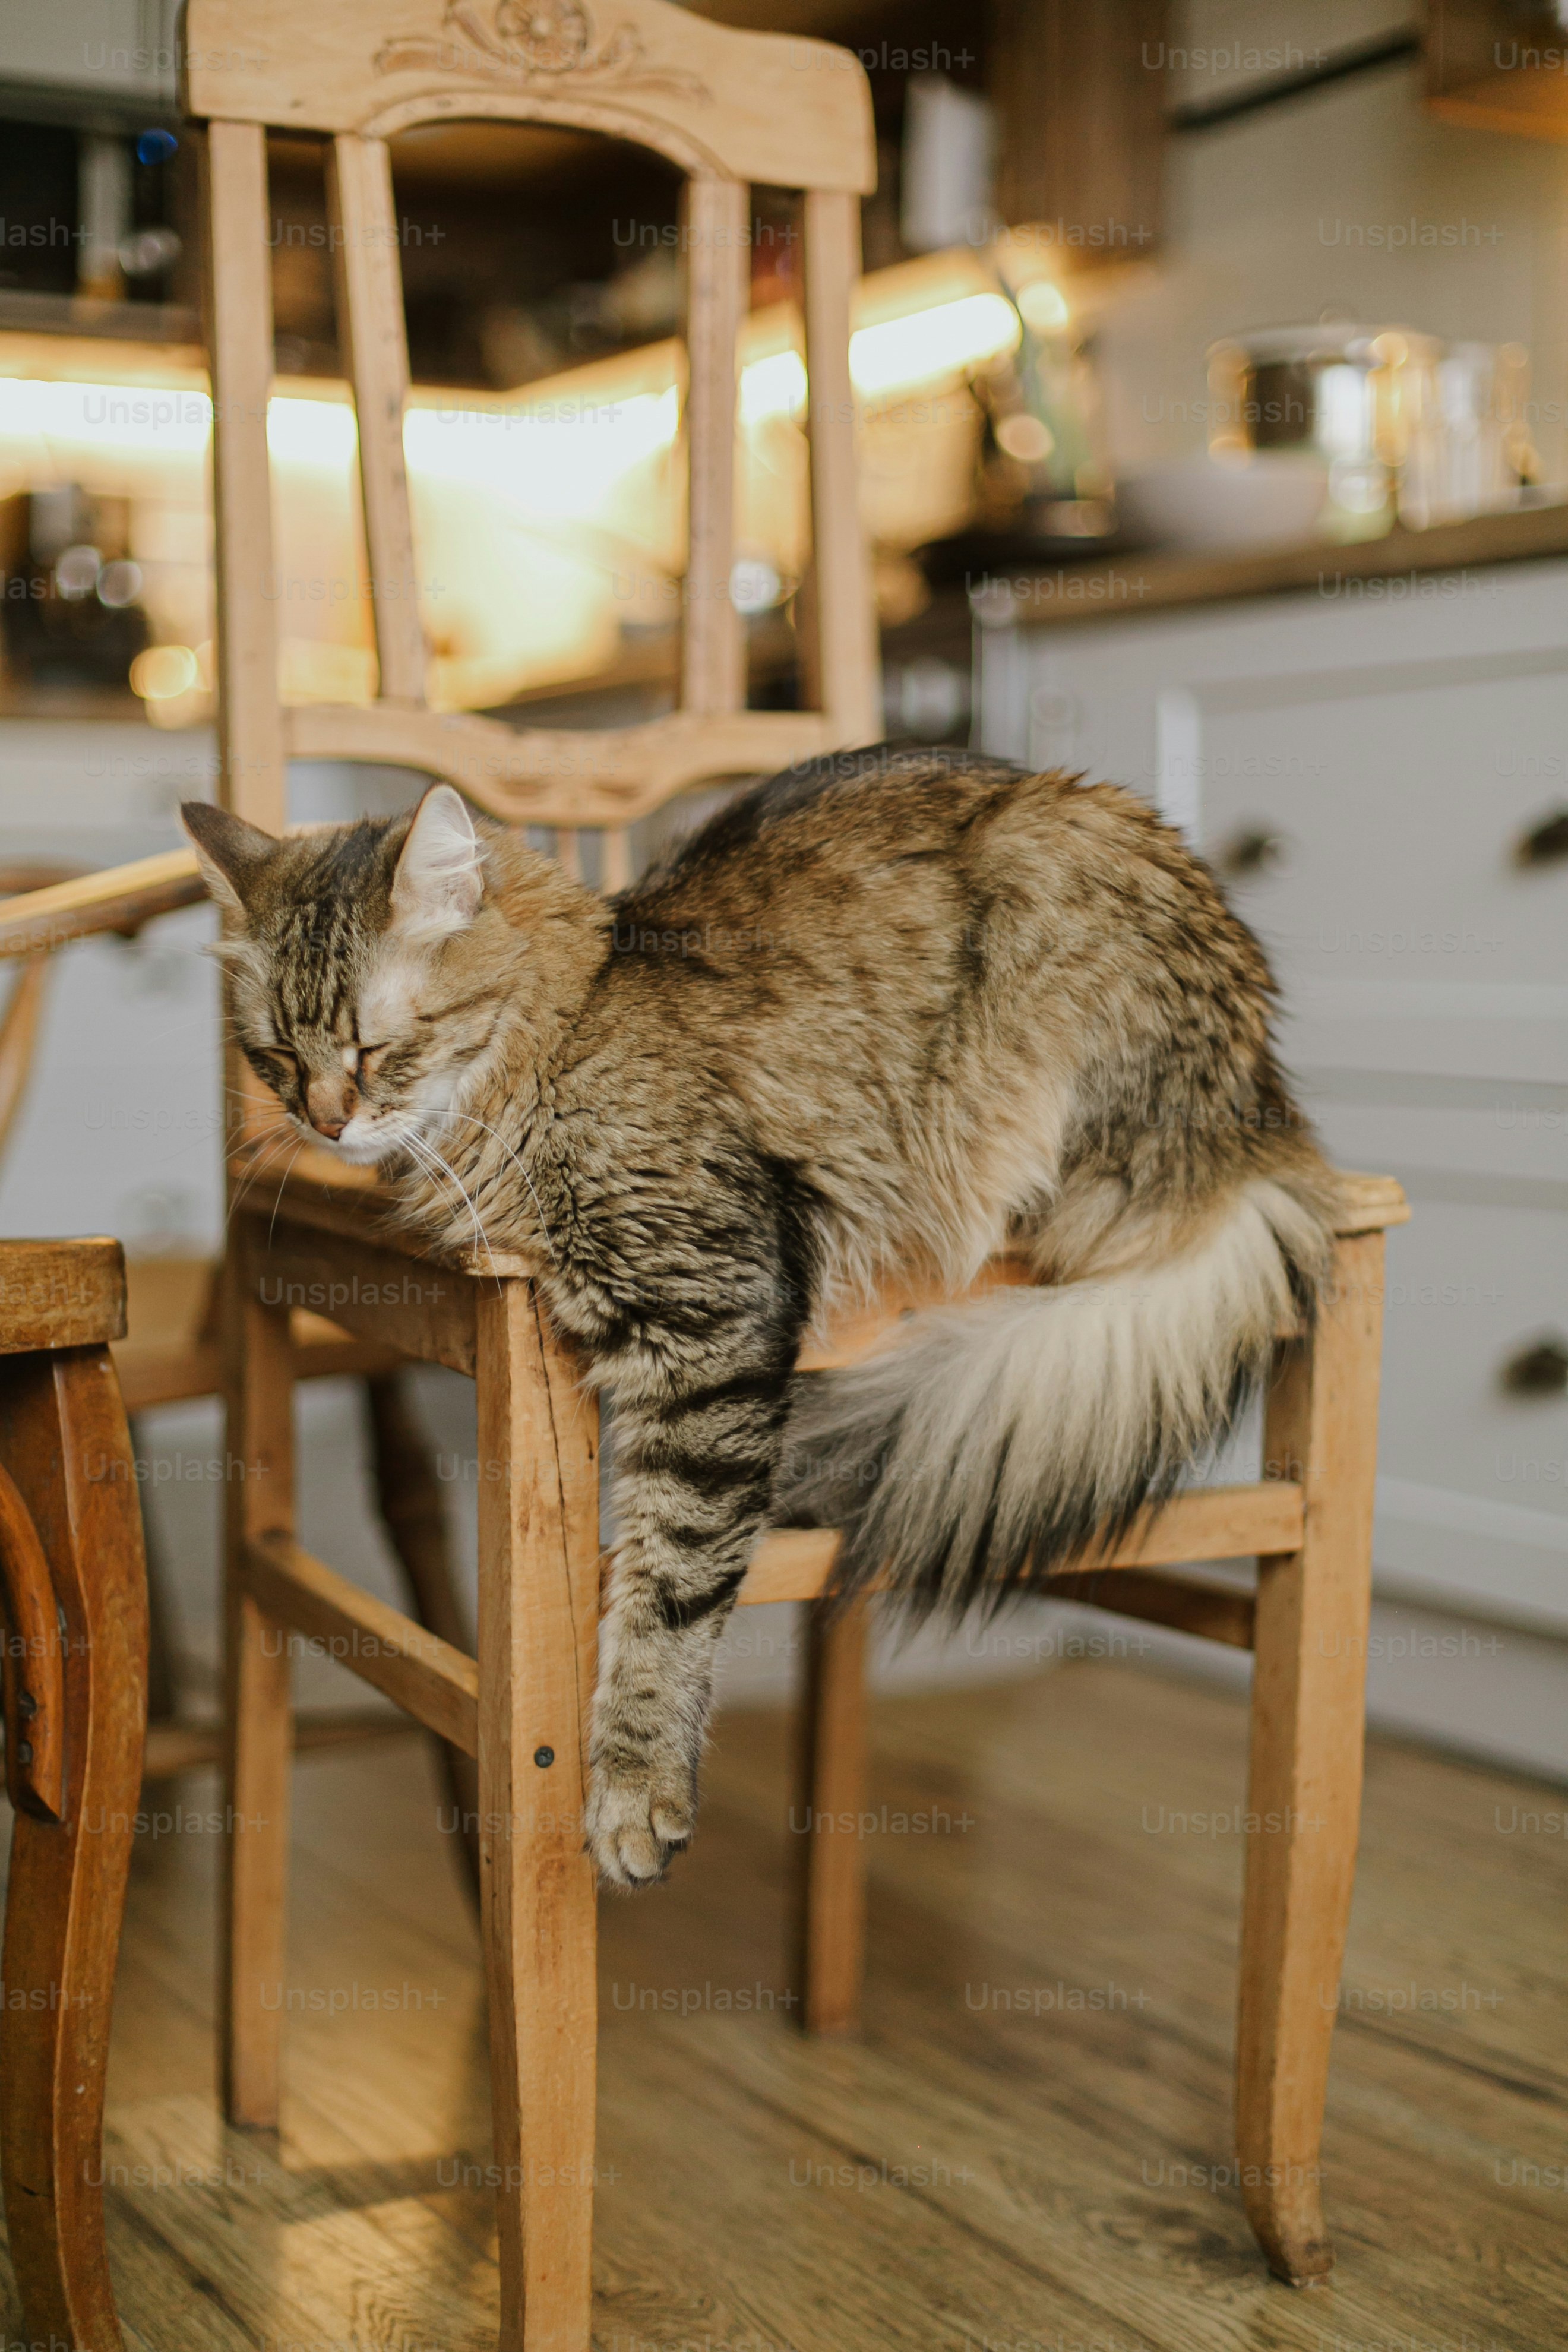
pixel 728 108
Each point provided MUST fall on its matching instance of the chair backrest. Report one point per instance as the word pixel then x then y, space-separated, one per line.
pixel 728 108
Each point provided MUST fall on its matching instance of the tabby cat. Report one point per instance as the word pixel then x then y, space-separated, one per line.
pixel 888 1011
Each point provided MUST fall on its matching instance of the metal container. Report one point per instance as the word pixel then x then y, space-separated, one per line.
pixel 1369 404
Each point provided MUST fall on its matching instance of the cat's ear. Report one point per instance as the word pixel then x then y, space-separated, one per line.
pixel 230 853
pixel 439 881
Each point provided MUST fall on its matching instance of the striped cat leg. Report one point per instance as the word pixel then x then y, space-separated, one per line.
pixel 694 1478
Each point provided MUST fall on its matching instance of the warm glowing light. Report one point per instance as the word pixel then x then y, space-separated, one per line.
pixel 76 573
pixel 310 432
pixel 1025 438
pixel 556 458
pixel 552 458
pixel 136 417
pixel 537 513
pixel 897 354
pixel 162 672
pixel 754 584
pixel 893 355
pixel 773 387
pixel 1044 306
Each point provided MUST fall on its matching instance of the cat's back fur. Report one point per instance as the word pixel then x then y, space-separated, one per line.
pixel 954 1002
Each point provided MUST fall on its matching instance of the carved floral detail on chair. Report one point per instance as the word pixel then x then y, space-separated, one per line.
pixel 534 42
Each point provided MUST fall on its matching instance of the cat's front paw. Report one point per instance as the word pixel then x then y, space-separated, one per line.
pixel 637 1818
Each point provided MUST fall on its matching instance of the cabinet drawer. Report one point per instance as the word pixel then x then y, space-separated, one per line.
pixel 1400 817
pixel 1473 1472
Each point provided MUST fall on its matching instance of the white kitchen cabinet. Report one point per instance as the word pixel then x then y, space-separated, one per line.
pixel 1394 741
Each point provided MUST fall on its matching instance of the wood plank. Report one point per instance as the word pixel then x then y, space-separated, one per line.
pixel 718 268
pixel 1207 1523
pixel 830 1919
pixel 360 2277
pixel 172 1351
pixel 237 292
pixel 121 899
pixel 795 113
pixel 414 1305
pixel 845 611
pixel 539 1551
pixel 331 1197
pixel 1059 2118
pixel 413 1511
pixel 1314 1599
pixel 259 1396
pixel 19 1028
pixel 67 1294
pixel 368 281
pixel 541 775
pixel 174 1748
pixel 34 1662
pixel 1370 1204
pixel 64 1441
pixel 427 1677
pixel 153 1372
pixel 789 1564
pixel 1187 1603
pixel 846 1335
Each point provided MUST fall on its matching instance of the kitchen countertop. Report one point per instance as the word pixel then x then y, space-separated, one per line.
pixel 1123 586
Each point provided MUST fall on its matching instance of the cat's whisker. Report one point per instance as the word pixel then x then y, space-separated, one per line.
pixel 277 1203
pixel 512 1155
pixel 253 1168
pixel 437 1170
pixel 484 1238
pixel 250 1174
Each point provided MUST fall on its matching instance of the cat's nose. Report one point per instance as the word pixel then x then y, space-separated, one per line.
pixel 330 1103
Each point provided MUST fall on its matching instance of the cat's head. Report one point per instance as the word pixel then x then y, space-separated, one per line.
pixel 356 989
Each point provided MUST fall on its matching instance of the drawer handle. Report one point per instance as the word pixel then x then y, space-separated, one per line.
pixel 1251 850
pixel 1546 844
pixel 1540 1368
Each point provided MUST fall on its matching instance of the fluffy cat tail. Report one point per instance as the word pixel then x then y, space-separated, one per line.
pixel 1003 1437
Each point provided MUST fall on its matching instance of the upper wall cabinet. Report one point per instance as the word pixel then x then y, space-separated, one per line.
pixel 1499 65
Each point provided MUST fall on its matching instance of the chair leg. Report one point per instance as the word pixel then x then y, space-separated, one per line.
pixel 411 1509
pixel 538 1606
pixel 1308 1708
pixel 162 1631
pixel 64 1440
pixel 257 1710
pixel 830 1917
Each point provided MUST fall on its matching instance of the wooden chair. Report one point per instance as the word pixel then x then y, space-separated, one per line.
pixel 727 107
pixel 169 1352
pixel 75 1674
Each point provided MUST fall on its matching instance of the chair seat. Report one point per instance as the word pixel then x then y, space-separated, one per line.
pixel 170 1352
pixel 60 1294
pixel 329 1197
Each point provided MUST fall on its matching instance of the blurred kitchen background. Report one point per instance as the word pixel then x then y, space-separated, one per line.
pixel 1213 363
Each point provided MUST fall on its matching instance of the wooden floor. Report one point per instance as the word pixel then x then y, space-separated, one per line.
pixel 1021 2155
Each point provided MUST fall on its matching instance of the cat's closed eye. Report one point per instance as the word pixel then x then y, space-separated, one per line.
pixel 365 1060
